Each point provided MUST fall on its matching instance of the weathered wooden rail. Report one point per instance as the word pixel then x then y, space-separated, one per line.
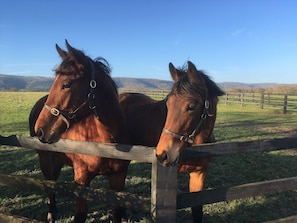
pixel 283 102
pixel 164 198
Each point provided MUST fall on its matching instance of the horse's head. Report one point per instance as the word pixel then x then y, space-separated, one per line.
pixel 71 97
pixel 191 112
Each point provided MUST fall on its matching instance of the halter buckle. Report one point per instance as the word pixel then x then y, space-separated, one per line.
pixel 187 139
pixel 54 112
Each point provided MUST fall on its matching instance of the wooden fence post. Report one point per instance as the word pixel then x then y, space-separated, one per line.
pixel 262 101
pixel 163 193
pixel 285 104
pixel 226 99
pixel 242 99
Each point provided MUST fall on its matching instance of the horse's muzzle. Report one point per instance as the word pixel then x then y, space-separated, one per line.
pixel 50 138
pixel 166 160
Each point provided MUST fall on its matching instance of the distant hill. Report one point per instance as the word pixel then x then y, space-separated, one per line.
pixel 34 83
pixel 233 85
pixel 142 83
pixel 24 83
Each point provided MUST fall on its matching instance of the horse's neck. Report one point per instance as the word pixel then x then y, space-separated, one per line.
pixel 151 117
pixel 93 130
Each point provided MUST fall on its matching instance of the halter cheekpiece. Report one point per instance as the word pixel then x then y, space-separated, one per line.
pixel 191 137
pixel 71 116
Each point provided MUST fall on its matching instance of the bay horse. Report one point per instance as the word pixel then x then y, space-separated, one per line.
pixel 82 104
pixel 185 117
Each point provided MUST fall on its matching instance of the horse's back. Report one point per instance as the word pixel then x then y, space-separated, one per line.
pixel 145 117
pixel 134 100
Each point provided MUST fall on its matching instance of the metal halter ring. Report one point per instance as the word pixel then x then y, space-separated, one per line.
pixel 93 84
pixel 206 104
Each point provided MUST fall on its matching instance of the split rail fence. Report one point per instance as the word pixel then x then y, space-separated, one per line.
pixel 282 102
pixel 164 200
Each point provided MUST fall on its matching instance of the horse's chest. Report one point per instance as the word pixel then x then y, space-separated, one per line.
pixel 98 165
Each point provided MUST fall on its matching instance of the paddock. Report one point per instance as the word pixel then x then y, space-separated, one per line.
pixel 165 198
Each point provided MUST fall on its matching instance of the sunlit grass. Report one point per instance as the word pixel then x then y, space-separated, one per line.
pixel 15 108
pixel 234 123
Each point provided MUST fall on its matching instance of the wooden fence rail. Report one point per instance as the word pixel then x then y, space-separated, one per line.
pixel 147 154
pixel 284 102
pixel 164 198
pixel 236 192
pixel 262 100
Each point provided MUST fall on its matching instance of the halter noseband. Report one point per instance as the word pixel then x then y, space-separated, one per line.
pixel 191 137
pixel 68 116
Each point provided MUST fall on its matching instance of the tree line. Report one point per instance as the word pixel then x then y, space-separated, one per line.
pixel 279 89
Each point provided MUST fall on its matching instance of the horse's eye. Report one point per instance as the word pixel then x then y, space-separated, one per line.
pixel 66 85
pixel 191 107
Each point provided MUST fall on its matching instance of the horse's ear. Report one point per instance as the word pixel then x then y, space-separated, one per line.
pixel 62 53
pixel 75 55
pixel 193 73
pixel 72 52
pixel 174 72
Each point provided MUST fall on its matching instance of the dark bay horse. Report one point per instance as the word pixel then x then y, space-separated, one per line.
pixel 82 104
pixel 187 116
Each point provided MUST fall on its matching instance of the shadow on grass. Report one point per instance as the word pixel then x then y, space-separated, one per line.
pixel 223 171
pixel 257 209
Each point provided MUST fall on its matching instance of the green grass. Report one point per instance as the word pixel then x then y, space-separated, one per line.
pixel 15 108
pixel 234 123
pixel 237 123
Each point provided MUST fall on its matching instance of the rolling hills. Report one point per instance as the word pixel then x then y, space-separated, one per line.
pixel 39 83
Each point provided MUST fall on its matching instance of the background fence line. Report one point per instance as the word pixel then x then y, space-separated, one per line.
pixel 283 102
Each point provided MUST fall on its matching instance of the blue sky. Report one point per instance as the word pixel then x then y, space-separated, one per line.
pixel 233 41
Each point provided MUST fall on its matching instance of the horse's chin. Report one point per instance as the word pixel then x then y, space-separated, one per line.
pixel 53 139
pixel 167 159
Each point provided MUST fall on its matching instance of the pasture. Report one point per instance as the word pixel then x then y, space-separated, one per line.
pixel 234 123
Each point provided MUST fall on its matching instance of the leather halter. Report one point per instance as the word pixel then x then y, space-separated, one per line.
pixel 71 116
pixel 191 137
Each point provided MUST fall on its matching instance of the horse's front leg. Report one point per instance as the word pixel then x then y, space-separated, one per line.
pixel 81 210
pixel 52 214
pixel 51 167
pixel 197 178
pixel 82 178
pixel 117 183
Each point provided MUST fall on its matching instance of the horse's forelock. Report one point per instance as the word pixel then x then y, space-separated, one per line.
pixel 188 88
pixel 69 67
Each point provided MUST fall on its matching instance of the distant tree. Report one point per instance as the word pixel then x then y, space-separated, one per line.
pixel 259 90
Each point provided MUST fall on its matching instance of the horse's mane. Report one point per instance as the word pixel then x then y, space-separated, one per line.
pixel 103 65
pixel 106 69
pixel 190 88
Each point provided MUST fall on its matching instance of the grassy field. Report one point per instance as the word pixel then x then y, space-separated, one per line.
pixel 234 123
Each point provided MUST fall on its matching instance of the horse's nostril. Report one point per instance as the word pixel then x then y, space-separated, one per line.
pixel 40 134
pixel 163 158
